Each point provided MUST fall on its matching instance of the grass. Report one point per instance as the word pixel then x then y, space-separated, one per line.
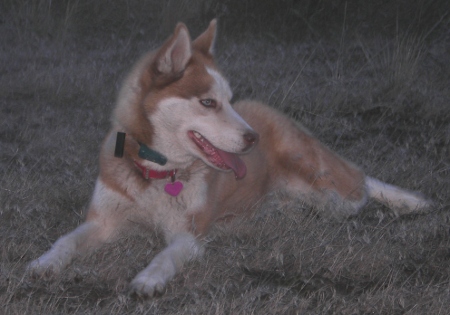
pixel 370 80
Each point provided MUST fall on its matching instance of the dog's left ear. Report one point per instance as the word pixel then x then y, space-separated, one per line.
pixel 205 42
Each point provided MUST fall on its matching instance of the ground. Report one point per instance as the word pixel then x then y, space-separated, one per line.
pixel 369 80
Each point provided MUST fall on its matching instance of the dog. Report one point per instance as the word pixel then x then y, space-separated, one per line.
pixel 179 157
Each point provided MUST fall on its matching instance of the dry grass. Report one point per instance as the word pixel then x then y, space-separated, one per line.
pixel 370 81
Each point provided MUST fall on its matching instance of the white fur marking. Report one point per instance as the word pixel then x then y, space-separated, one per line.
pixel 394 197
pixel 62 252
pixel 166 264
pixel 222 88
pixel 174 117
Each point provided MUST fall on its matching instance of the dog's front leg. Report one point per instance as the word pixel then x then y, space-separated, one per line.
pixel 152 280
pixel 84 238
pixel 101 225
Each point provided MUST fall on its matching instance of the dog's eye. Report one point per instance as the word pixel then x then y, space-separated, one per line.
pixel 208 102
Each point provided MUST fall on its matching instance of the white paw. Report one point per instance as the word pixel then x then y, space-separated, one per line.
pixel 42 268
pixel 145 285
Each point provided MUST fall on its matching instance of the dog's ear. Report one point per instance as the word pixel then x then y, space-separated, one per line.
pixel 173 56
pixel 205 42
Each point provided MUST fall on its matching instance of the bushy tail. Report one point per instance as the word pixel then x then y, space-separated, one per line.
pixel 399 200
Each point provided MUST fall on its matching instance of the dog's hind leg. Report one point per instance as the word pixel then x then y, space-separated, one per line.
pixel 301 165
pixel 152 280
pixel 100 226
pixel 399 200
pixel 319 176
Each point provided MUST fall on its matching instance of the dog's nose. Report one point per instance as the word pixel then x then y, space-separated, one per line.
pixel 251 138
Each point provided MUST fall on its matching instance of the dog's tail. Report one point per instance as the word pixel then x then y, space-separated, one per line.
pixel 399 200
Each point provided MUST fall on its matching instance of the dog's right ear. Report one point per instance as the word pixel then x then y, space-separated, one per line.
pixel 173 56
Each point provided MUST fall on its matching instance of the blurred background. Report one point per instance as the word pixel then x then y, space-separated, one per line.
pixel 286 20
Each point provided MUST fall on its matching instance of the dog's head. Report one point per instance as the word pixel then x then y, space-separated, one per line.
pixel 177 102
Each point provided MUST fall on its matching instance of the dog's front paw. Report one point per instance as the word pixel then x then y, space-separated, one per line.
pixel 147 286
pixel 42 268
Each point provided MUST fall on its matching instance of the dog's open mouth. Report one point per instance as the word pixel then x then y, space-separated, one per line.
pixel 221 159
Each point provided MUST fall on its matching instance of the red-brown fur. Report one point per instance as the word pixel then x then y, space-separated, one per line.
pixel 284 156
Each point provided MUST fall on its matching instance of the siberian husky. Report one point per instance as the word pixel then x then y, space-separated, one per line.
pixel 180 157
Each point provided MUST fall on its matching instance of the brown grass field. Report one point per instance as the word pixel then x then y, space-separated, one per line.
pixel 371 79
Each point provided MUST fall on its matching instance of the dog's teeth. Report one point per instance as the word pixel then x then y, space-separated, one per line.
pixel 197 135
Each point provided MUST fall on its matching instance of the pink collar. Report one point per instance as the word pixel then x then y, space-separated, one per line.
pixel 149 173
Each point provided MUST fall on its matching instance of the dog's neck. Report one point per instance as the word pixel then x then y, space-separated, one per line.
pixel 151 155
pixel 148 173
pixel 144 153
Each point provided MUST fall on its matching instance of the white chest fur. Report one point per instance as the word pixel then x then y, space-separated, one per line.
pixel 152 205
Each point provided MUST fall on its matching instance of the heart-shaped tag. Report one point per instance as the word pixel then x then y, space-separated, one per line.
pixel 174 188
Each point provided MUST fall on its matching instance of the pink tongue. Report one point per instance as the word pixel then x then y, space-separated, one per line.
pixel 234 162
